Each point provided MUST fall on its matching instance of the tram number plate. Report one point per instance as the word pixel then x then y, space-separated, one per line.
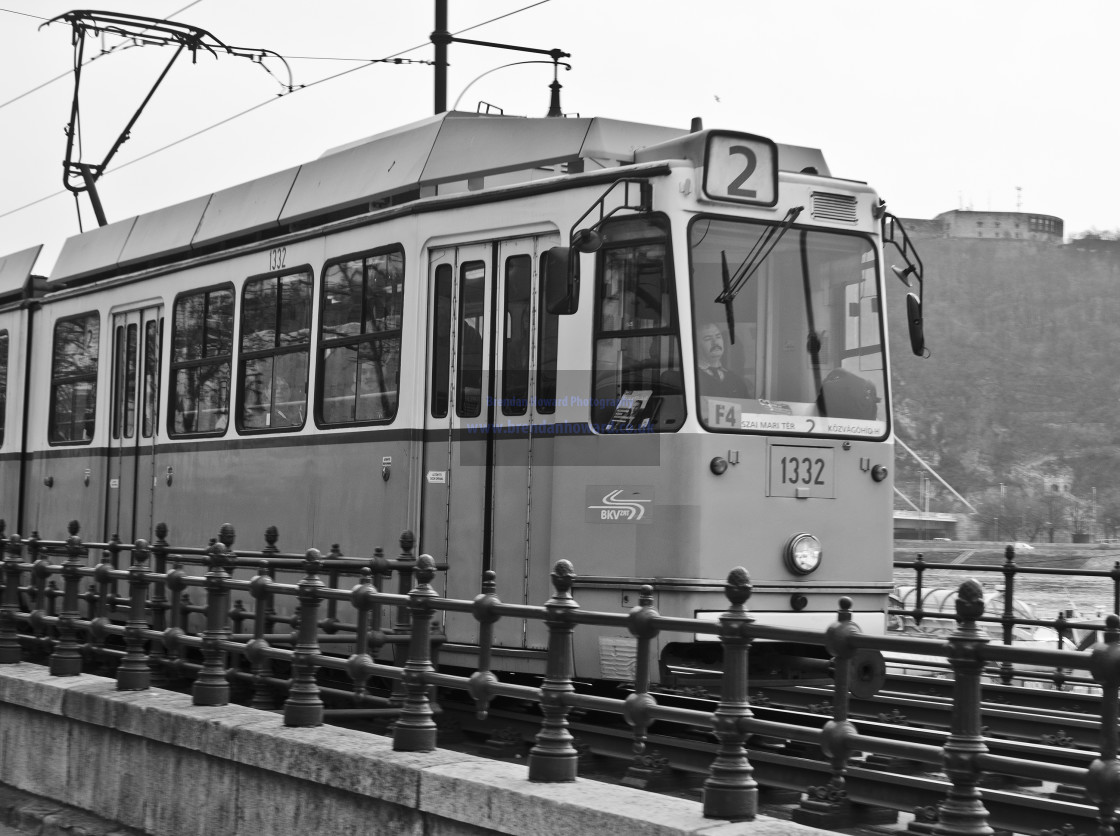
pixel 801 472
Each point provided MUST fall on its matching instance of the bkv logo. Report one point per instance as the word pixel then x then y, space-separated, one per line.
pixel 612 504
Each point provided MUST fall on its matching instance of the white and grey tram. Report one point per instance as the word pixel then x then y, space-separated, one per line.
pixel 658 353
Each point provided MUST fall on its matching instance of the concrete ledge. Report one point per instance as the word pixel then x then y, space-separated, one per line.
pixel 160 766
pixel 34 814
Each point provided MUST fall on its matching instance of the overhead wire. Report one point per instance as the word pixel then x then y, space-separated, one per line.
pixel 114 48
pixel 367 63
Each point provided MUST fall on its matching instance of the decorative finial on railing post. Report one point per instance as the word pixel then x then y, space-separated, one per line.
pixel 554 759
pixel 157 655
pixel 212 687
pixel 259 662
pixel 962 813
pixel 134 673
pixel 730 791
pixel 637 708
pixel 415 729
pixel 304 706
pixel 66 659
pixel 1102 784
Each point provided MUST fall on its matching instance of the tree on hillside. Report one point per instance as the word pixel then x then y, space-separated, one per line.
pixel 1108 512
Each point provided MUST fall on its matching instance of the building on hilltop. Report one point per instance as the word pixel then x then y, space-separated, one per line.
pixel 965 223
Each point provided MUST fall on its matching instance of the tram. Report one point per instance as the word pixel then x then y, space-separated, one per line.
pixel 656 352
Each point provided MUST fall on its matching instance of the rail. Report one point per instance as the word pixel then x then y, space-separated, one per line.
pixel 153 623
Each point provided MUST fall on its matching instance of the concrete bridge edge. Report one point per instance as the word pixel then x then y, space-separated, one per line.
pixel 149 762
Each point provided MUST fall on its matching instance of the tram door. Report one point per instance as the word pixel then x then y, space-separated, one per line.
pixel 134 423
pixel 476 471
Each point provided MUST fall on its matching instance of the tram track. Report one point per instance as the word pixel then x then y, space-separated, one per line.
pixel 675 761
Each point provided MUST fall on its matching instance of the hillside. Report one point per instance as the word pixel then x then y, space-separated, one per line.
pixel 1020 387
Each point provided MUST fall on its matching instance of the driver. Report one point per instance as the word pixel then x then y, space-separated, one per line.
pixel 715 380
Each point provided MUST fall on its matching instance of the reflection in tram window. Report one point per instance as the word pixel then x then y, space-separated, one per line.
pixel 3 380
pixel 153 350
pixel 74 379
pixel 801 326
pixel 472 315
pixel 123 421
pixel 275 351
pixel 202 355
pixel 360 339
pixel 638 383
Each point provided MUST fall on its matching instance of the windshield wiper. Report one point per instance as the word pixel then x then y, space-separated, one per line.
pixel 732 284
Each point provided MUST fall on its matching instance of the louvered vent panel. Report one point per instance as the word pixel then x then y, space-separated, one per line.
pixel 834 207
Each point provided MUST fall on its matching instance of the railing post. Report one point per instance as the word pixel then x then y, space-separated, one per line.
pixel 135 673
pixel 828 806
pixel 259 662
pixel 9 609
pixel 66 660
pixel 157 655
pixel 1102 784
pixel 636 709
pixel 554 759
pixel 1006 669
pixel 919 575
pixel 359 665
pixel 401 623
pixel 483 680
pixel 304 706
pixel 212 686
pixel 415 730
pixel 730 791
pixel 963 813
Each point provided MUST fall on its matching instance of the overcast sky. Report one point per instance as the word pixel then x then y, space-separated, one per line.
pixel 955 104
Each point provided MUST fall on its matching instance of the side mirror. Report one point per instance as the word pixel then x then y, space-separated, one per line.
pixel 914 319
pixel 561 281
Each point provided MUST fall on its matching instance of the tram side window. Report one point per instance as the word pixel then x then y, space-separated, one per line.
pixel 275 351
pixel 441 341
pixel 3 381
pixel 638 382
pixel 472 315
pixel 548 331
pixel 360 339
pixel 201 362
pixel 153 350
pixel 515 351
pixel 124 386
pixel 74 379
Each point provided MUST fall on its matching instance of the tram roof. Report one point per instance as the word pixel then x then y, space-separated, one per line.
pixel 444 154
pixel 15 270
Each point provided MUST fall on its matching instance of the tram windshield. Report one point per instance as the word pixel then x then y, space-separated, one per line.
pixel 787 329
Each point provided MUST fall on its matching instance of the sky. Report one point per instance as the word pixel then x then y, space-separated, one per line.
pixel 1002 105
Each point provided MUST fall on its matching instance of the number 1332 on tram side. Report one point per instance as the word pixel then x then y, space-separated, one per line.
pixel 656 353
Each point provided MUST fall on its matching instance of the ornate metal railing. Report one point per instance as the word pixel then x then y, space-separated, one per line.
pixel 1069 629
pixel 144 610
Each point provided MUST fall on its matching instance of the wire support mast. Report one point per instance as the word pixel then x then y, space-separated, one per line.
pixel 79 176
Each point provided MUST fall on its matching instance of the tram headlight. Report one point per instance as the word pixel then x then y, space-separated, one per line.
pixel 803 554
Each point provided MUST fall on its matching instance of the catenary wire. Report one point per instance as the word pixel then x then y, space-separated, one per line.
pixel 246 111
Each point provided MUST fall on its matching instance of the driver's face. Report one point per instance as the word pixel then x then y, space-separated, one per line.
pixel 711 344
